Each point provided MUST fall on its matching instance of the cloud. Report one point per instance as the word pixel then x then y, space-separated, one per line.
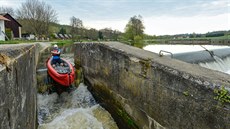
pixel 160 16
pixel 178 25
pixel 11 3
pixel 113 24
pixel 5 3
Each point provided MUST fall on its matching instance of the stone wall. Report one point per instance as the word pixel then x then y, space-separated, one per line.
pixel 18 86
pixel 191 41
pixel 143 90
pixel 188 42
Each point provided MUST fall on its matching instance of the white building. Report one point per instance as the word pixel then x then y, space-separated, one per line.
pixel 2 27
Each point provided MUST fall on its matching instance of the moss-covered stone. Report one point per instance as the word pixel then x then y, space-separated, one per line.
pixel 106 96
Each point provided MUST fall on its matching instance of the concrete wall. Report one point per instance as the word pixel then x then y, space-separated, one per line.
pixel 148 91
pixel 18 86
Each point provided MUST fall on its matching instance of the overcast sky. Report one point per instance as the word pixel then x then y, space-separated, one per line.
pixel 160 17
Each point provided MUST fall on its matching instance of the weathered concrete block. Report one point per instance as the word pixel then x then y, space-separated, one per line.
pixel 18 86
pixel 148 91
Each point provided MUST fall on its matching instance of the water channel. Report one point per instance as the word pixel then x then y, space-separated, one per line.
pixel 75 110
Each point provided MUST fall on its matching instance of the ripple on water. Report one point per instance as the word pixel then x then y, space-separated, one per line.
pixel 77 110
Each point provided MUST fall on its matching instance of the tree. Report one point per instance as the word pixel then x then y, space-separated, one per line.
pixel 100 35
pixel 93 34
pixel 109 34
pixel 8 10
pixel 36 16
pixel 76 28
pixel 62 31
pixel 134 28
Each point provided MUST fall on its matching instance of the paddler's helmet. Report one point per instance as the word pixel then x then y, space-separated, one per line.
pixel 55 46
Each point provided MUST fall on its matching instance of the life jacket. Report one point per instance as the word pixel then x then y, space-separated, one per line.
pixel 56 50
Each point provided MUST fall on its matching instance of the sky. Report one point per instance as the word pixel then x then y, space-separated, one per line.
pixel 160 17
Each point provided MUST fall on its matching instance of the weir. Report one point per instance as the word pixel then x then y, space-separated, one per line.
pixel 149 91
pixel 203 56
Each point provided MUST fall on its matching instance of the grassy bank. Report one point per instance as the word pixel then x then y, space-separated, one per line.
pixel 16 41
pixel 60 42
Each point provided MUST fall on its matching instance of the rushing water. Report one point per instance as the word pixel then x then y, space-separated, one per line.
pixel 75 110
pixel 222 65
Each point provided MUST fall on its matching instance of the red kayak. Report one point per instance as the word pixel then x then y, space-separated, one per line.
pixel 62 73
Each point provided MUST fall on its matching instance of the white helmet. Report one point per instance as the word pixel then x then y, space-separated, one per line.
pixel 55 46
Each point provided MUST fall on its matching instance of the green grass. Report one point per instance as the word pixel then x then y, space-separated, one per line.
pixel 220 37
pixel 60 42
pixel 16 41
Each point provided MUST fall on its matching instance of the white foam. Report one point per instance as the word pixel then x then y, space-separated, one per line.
pixel 222 65
pixel 79 118
pixel 75 110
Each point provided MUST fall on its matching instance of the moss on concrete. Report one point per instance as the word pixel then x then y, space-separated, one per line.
pixel 146 64
pixel 77 63
pixel 104 95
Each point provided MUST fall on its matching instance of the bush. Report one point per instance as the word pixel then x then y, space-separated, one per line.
pixel 52 36
pixel 8 33
pixel 138 41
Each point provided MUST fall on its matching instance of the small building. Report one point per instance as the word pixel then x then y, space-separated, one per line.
pixel 13 25
pixel 2 27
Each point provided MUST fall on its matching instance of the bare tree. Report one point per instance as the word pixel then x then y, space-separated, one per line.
pixel 109 34
pixel 36 16
pixel 93 34
pixel 76 28
pixel 8 10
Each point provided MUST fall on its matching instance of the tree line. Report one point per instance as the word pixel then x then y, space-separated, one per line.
pixel 193 35
pixel 39 18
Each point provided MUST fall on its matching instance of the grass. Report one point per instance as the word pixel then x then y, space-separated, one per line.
pixel 60 42
pixel 207 38
pixel 16 41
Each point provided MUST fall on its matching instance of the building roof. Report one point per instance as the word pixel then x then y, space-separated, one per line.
pixel 3 18
pixel 7 14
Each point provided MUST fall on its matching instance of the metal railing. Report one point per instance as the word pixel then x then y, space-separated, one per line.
pixel 210 52
pixel 161 54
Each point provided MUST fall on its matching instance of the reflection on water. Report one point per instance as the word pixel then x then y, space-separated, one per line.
pixel 76 110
